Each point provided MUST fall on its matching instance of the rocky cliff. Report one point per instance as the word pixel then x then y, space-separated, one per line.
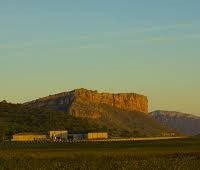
pixel 87 103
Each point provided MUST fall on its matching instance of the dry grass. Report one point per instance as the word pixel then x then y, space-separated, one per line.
pixel 170 154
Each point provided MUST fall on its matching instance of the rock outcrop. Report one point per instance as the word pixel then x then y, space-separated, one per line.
pixel 86 103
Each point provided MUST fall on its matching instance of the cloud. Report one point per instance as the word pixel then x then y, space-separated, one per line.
pixel 163 39
pixel 147 29
pixel 191 36
pixel 7 46
pixel 85 47
pixel 163 27
pixel 176 38
pixel 14 46
pixel 90 46
pixel 85 37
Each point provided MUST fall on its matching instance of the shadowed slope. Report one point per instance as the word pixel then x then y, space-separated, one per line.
pixel 181 122
pixel 19 118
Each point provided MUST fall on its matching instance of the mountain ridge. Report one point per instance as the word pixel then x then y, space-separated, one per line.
pixel 176 113
pixel 69 101
pixel 185 123
pixel 121 114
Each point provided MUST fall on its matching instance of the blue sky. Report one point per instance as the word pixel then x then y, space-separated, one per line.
pixel 149 47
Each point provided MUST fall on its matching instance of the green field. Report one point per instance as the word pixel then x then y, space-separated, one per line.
pixel 165 154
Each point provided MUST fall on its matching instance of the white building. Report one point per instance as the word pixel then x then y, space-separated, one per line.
pixel 58 135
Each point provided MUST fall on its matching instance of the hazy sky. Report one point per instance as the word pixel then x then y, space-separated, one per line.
pixel 149 47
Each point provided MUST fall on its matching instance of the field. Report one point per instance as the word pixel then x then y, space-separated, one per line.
pixel 160 154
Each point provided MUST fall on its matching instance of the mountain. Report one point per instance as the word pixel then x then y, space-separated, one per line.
pixel 78 102
pixel 123 114
pixel 81 110
pixel 182 122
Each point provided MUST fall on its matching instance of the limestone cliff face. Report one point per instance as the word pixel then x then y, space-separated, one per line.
pixel 86 103
pixel 124 101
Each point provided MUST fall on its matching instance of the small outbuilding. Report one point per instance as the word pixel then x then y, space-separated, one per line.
pixel 77 136
pixel 169 134
pixel 58 135
pixel 97 135
pixel 2 135
pixel 29 137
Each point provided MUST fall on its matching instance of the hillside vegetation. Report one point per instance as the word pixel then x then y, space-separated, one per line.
pixel 19 118
pixel 22 118
pixel 121 122
pixel 122 114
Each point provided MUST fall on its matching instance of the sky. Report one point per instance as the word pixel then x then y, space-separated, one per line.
pixel 148 47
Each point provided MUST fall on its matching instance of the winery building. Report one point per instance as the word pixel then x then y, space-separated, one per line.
pixel 29 137
pixel 97 135
pixel 58 135
pixel 2 135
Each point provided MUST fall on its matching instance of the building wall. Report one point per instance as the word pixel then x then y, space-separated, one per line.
pixel 79 136
pixel 29 137
pixel 99 135
pixel 1 136
pixel 169 134
pixel 62 134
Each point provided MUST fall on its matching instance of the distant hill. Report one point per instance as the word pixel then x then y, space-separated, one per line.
pixel 197 136
pixel 182 122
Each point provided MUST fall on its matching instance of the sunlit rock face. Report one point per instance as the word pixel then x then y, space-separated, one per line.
pixel 87 103
pixel 124 101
